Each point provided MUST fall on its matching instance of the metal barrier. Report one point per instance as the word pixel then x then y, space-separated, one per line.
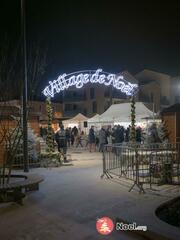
pixel 40 158
pixel 19 161
pixel 143 164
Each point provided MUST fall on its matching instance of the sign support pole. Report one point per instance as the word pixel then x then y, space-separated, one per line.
pixel 24 62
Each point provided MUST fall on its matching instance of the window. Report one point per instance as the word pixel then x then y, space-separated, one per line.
pixel 94 107
pixel 68 107
pixel 92 93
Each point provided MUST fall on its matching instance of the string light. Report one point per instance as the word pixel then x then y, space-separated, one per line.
pixel 79 79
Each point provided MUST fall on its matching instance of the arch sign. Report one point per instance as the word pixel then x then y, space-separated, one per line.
pixel 79 79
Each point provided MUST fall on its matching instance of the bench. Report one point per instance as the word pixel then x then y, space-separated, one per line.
pixel 15 191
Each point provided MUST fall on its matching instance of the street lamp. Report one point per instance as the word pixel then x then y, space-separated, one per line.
pixel 24 64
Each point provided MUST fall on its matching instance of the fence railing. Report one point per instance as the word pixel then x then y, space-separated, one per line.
pixel 35 158
pixel 143 164
pixel 19 161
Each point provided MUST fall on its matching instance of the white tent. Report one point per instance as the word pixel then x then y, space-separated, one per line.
pixel 94 121
pixel 121 113
pixel 77 121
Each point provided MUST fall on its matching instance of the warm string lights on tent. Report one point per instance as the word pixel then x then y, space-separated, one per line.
pixel 79 79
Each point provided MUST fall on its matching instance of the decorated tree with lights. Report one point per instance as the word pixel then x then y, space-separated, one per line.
pixel 133 120
pixel 50 135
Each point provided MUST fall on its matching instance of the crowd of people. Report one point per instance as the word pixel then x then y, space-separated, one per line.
pixel 115 135
pixel 95 140
pixel 68 137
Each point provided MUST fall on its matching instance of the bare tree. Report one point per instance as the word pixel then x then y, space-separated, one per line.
pixel 11 88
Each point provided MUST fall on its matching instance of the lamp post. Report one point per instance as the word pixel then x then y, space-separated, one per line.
pixel 24 64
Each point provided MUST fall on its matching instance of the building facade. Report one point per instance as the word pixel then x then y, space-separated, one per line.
pixel 37 113
pixel 93 98
pixel 158 89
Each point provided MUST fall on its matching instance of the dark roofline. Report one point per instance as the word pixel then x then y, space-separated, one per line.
pixel 172 108
pixel 150 70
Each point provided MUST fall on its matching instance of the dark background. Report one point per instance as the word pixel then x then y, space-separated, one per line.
pixel 110 34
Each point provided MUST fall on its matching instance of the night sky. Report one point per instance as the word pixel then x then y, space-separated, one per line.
pixel 109 34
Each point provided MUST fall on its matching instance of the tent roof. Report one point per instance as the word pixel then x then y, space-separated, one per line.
pixel 129 77
pixel 78 118
pixel 94 119
pixel 122 113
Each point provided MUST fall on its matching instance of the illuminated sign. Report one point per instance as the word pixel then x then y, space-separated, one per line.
pixel 79 79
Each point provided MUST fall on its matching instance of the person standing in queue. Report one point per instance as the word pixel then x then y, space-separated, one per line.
pixel 61 140
pixel 92 139
pixel 102 139
pixel 68 136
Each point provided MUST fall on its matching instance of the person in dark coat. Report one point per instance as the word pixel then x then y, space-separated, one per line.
pixel 138 134
pixel 75 131
pixel 72 138
pixel 119 134
pixel 92 139
pixel 61 139
pixel 127 133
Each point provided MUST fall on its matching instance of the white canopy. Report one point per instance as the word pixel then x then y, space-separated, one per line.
pixel 122 113
pixel 94 119
pixel 77 121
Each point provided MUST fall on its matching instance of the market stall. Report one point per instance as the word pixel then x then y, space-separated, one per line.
pixel 94 121
pixel 77 121
pixel 121 114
